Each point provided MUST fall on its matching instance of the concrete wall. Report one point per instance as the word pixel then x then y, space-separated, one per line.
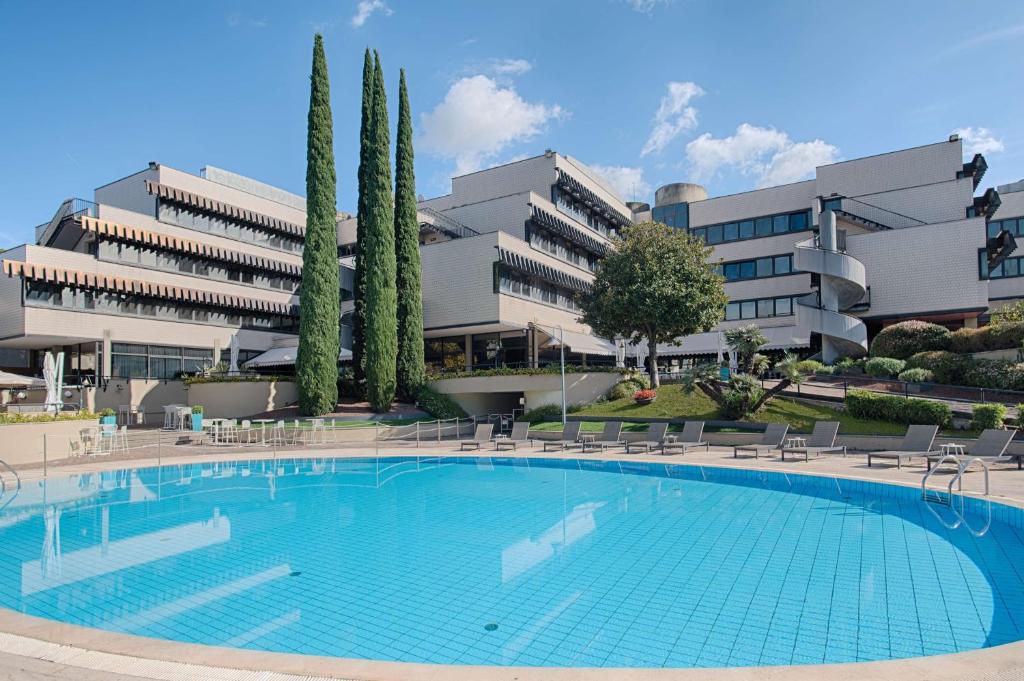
pixel 784 198
pixel 458 282
pixel 242 398
pixel 938 162
pixel 150 395
pixel 23 442
pixel 477 394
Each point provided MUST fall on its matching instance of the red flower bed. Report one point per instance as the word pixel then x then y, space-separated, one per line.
pixel 644 395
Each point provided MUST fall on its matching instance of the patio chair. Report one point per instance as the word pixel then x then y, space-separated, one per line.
pixel 821 441
pixel 480 437
pixel 570 437
pixel 689 439
pixel 653 438
pixel 917 441
pixel 990 447
pixel 520 434
pixel 772 438
pixel 611 436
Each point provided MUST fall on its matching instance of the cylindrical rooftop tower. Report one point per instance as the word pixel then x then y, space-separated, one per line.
pixel 679 192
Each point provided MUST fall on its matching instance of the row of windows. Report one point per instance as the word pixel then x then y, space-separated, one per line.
pixel 1014 226
pixel 1009 268
pixel 770 266
pixel 184 264
pixel 184 216
pixel 674 215
pixel 52 295
pixel 130 360
pixel 525 286
pixel 581 212
pixel 563 249
pixel 756 228
pixel 760 308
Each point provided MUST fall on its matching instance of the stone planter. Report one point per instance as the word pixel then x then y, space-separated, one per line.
pixel 644 401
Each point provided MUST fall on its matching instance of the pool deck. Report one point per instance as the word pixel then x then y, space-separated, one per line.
pixel 34 649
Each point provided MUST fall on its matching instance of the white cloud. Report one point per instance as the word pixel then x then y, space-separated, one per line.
pixel 478 119
pixel 645 6
pixel 674 115
pixel 766 153
pixel 979 140
pixel 365 9
pixel 627 181
pixel 510 67
pixel 999 34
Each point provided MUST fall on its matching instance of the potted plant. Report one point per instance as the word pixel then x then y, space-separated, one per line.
pixel 197 418
pixel 108 417
pixel 644 396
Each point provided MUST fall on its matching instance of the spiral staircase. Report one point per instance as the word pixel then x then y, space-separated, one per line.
pixel 843 284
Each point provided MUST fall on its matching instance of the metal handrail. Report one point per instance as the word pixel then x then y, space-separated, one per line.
pixel 3 485
pixel 962 468
pixel 924 480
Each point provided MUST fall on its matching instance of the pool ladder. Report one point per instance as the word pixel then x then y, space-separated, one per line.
pixel 6 494
pixel 957 479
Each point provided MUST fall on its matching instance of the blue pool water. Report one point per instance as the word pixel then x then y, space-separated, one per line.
pixel 515 562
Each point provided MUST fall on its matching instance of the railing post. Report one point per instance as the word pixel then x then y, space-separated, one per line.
pixel 845 387
pixel 439 431
pixel 44 455
pixel 417 435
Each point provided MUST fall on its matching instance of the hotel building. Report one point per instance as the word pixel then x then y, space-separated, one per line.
pixel 156 275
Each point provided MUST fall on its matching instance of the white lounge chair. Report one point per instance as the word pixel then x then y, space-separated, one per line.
pixel 480 437
pixel 917 441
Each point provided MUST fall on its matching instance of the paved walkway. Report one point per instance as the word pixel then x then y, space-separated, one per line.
pixel 28 659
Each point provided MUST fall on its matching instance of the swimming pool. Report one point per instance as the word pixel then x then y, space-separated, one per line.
pixel 512 561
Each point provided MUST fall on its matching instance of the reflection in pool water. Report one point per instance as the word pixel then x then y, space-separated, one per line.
pixel 508 561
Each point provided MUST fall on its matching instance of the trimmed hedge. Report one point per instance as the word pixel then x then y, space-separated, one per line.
pixel 546 411
pixel 868 405
pixel 908 338
pixel 987 415
pixel 993 337
pixel 13 417
pixel 916 376
pixel 946 367
pixel 438 405
pixel 884 367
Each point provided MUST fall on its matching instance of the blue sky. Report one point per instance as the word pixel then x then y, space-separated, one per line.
pixel 733 95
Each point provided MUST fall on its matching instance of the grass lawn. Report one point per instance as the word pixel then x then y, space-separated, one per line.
pixel 673 402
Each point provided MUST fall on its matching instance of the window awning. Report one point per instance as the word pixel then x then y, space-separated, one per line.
pixel 209 205
pixel 580 342
pixel 562 228
pixel 277 357
pixel 172 243
pixel 584 194
pixel 545 272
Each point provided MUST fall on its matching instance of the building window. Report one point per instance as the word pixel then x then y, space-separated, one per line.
pixel 445 354
pixel 767 225
pixel 191 218
pixel 674 215
pixel 759 308
pixel 768 266
pixel 1014 226
pixel 131 360
pixel 523 285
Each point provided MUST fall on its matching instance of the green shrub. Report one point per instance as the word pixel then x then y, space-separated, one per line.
pixel 1004 336
pixel 107 412
pixel 868 405
pixel 909 338
pixel 197 409
pixel 739 396
pixel 13 417
pixel 946 367
pixel 917 376
pixel 549 411
pixel 438 405
pixel 849 365
pixel 988 415
pixel 622 390
pixel 641 380
pixel 884 367
pixel 809 366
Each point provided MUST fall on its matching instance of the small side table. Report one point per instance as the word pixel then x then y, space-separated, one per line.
pixel 952 448
pixel 587 437
pixel 796 442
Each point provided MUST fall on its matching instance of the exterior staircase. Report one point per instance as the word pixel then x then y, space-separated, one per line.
pixel 843 284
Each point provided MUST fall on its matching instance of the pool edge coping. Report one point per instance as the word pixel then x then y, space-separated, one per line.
pixel 987 663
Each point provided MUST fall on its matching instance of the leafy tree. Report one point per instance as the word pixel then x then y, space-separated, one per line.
pixel 410 365
pixel 746 341
pixel 362 219
pixel 380 315
pixel 656 285
pixel 1013 312
pixel 316 366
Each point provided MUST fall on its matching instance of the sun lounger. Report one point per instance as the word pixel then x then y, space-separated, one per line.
pixel 480 437
pixel 917 441
pixel 520 435
pixel 611 436
pixel 570 437
pixel 772 438
pixel 990 447
pixel 689 439
pixel 654 438
pixel 821 441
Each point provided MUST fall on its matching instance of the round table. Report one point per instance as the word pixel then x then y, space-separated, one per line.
pixel 263 429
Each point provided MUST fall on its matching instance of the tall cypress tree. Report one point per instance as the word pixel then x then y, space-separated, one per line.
pixel 362 219
pixel 410 370
pixel 316 366
pixel 380 321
